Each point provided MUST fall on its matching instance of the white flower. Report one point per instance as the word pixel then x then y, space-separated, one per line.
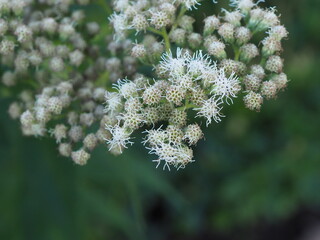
pixel 174 65
pixel 225 87
pixel 155 137
pixel 120 25
pixel 189 3
pixel 210 109
pixel 198 63
pixel 120 137
pixel 113 102
pixel 176 155
pixel 126 88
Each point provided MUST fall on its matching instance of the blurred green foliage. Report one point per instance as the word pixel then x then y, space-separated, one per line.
pixel 252 169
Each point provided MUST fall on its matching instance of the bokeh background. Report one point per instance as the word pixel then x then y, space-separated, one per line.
pixel 257 175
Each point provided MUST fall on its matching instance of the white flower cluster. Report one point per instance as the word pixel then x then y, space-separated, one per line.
pixel 48 53
pixel 193 82
pixel 191 79
pixel 180 77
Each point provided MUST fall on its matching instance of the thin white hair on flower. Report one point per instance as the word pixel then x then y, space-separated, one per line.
pixel 120 25
pixel 112 101
pixel 225 87
pixel 198 63
pixel 210 109
pixel 125 88
pixel 174 65
pixel 189 3
pixel 120 137
pixel 178 156
pixel 154 136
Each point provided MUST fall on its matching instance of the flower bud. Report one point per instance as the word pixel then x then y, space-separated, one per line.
pixel 6 47
pixel 178 36
pixel 27 118
pixel 252 82
pixel 186 23
pixel 274 64
pixel 138 51
pixel 159 19
pixel 76 58
pixel 56 64
pixel 278 32
pixel 175 94
pixel 139 22
pixel 217 49
pixel 226 31
pixel 49 25
pixel 233 17
pixel 178 118
pixel 3 27
pixel 42 115
pixel 75 133
pixel 269 89
pixel 93 28
pixel 270 46
pixel 280 80
pixel 54 105
pixel 60 132
pixel 248 52
pixel 193 134
pixel 15 110
pixel 23 33
pixel 9 78
pixel 211 23
pixel 90 141
pixel 195 40
pixel 258 70
pixel 80 157
pixel 152 95
pixel 253 101
pixel 242 35
pixel 65 149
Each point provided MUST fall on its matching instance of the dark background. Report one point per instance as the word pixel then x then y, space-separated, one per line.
pixel 256 175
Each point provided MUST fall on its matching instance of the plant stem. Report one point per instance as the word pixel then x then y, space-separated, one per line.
pixel 166 39
pixel 153 30
pixel 236 52
pixel 183 9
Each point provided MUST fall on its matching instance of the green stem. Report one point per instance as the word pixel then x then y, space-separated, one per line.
pixel 183 9
pixel 263 61
pixel 153 30
pixel 187 106
pixel 166 39
pixel 236 52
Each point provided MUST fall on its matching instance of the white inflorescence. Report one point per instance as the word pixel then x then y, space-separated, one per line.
pixel 190 75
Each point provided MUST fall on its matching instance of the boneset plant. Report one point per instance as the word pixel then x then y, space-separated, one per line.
pixel 194 74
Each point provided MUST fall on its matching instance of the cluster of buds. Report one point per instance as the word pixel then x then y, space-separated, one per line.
pixel 236 54
pixel 49 49
pixel 179 77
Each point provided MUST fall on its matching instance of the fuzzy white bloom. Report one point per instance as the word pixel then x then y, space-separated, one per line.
pixel 198 63
pixel 189 3
pixel 177 156
pixel 210 109
pixel 154 137
pixel 113 102
pixel 126 88
pixel 120 25
pixel 174 65
pixel 120 137
pixel 225 87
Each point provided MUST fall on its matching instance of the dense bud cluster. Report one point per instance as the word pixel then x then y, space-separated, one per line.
pixel 189 79
pixel 169 81
pixel 48 48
